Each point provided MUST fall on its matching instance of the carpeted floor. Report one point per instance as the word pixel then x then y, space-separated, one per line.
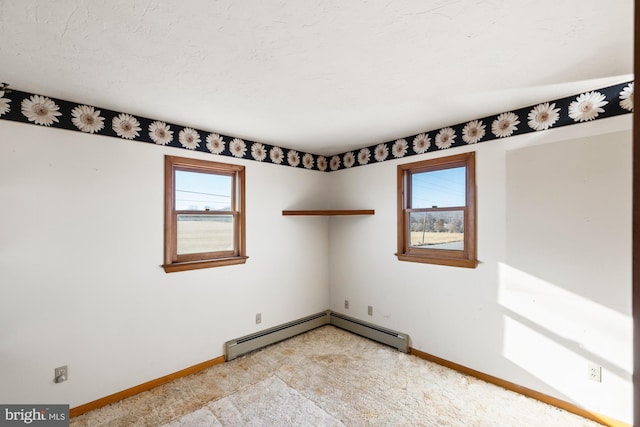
pixel 329 377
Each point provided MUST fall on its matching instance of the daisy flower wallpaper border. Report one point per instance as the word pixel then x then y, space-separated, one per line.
pixel 40 110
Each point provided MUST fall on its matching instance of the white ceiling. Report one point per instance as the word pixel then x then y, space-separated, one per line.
pixel 320 76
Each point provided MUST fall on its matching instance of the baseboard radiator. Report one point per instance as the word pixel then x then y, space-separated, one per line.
pixel 371 331
pixel 248 343
pixel 255 341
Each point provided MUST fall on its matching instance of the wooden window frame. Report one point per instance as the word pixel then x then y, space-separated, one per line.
pixel 464 258
pixel 172 260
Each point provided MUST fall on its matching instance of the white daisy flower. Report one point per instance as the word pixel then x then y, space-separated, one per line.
pixel 276 155
pixel 543 116
pixel 4 104
pixel 307 161
pixel 587 106
pixel 381 152
pixel 238 147
pixel 160 133
pixel 293 158
pixel 322 163
pixel 215 143
pixel 626 98
pixel 399 148
pixel 421 143
pixel 334 163
pixel 364 156
pixel 349 159
pixel 473 132
pixel 505 124
pixel 40 110
pixel 87 119
pixel 126 126
pixel 189 138
pixel 258 151
pixel 445 138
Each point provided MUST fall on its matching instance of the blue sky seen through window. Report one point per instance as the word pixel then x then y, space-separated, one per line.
pixel 441 188
pixel 202 191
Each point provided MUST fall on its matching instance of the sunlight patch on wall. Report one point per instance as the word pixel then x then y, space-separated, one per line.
pixel 595 328
pixel 539 355
pixel 554 334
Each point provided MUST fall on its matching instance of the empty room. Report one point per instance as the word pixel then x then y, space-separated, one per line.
pixel 316 212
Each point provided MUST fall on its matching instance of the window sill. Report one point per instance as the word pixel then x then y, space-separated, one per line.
pixel 195 265
pixel 452 262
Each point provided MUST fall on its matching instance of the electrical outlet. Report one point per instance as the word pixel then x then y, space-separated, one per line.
pixel 370 310
pixel 594 372
pixel 346 304
pixel 61 374
pixel 258 318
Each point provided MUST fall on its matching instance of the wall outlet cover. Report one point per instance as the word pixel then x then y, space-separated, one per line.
pixel 594 372
pixel 61 374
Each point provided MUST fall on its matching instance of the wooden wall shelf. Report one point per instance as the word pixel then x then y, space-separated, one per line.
pixel 330 212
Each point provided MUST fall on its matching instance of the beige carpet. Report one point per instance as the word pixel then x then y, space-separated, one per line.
pixel 329 377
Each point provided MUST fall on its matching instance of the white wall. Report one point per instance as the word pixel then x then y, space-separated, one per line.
pixel 81 243
pixel 553 289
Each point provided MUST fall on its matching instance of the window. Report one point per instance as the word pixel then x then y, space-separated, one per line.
pixel 204 214
pixel 437 211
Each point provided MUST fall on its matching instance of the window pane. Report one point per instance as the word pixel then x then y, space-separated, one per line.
pixel 204 233
pixel 202 191
pixel 437 230
pixel 442 188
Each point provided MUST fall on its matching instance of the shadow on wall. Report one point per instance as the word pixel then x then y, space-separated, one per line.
pixel 565 287
pixel 569 216
pixel 547 330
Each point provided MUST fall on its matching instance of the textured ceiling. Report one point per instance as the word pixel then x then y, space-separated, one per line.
pixel 317 76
